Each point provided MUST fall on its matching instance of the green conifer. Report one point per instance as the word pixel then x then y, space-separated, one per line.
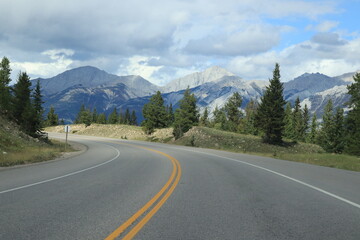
pixel 186 116
pixel 270 114
pixel 155 115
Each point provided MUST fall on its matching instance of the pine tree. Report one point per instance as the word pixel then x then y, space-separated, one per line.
pixel 5 94
pixel 94 115
pixel 155 115
pixel 352 122
pixel 270 114
pixel 297 120
pixel 326 133
pixel 305 123
pixel 339 136
pixel 233 112
pixel 23 110
pixel 248 126
pixel 311 138
pixel 84 116
pixel 127 117
pixel 101 119
pixel 52 119
pixel 171 116
pixel 113 117
pixel 186 116
pixel 121 118
pixel 133 118
pixel 204 119
pixel 78 118
pixel 219 118
pixel 39 110
pixel 289 131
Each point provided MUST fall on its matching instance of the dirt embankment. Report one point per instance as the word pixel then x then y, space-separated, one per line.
pixel 116 131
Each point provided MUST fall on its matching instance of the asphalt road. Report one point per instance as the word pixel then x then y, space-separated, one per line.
pixel 176 192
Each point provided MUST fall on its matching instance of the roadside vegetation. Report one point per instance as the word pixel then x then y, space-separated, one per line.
pixel 289 150
pixel 17 147
pixel 21 122
pixel 269 127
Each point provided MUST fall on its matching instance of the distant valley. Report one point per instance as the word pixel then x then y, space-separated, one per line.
pixel 98 89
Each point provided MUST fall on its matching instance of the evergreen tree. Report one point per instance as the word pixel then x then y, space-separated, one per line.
pixel 289 131
pixel 311 138
pixel 270 114
pixel 297 120
pixel 339 136
pixel 133 118
pixel 248 125
pixel 94 115
pixel 219 118
pixel 155 115
pixel 84 116
pixel 352 121
pixel 113 117
pixel 101 119
pixel 305 123
pixel 204 119
pixel 171 116
pixel 233 112
pixel 127 120
pixel 78 118
pixel 5 94
pixel 39 110
pixel 52 119
pixel 326 134
pixel 186 116
pixel 23 110
pixel 121 119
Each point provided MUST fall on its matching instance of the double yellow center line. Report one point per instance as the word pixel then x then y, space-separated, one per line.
pixel 150 207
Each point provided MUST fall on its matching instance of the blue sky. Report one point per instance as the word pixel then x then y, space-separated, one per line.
pixel 166 39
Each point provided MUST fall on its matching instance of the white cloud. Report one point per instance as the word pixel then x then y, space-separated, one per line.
pixel 137 65
pixel 300 58
pixel 250 40
pixel 123 36
pixel 60 62
pixel 324 26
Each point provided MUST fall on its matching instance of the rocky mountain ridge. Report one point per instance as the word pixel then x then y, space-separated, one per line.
pixel 97 89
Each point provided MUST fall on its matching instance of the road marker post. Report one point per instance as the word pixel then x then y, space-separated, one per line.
pixel 67 130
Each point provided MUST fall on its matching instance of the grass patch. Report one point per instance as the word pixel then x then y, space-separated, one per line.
pixel 18 148
pixel 32 153
pixel 340 161
pixel 298 152
pixel 221 140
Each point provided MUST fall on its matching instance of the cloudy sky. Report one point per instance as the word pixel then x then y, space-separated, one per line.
pixel 165 39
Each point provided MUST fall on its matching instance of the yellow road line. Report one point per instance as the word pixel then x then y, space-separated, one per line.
pixel 175 173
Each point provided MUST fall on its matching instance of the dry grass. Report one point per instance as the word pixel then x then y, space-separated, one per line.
pixel 227 141
pixel 116 131
pixel 19 148
pixel 32 153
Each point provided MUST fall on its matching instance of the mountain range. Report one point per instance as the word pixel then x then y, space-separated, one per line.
pixel 98 89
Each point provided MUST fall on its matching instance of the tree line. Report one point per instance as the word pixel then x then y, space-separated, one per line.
pixel 88 116
pixel 20 102
pixel 272 118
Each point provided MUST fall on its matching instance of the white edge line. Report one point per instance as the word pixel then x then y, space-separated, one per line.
pixel 282 175
pixel 64 176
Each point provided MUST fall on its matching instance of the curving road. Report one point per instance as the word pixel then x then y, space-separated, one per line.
pixel 140 190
